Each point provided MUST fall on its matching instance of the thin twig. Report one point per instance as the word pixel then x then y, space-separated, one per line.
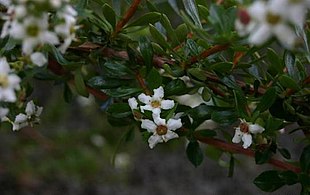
pixel 130 12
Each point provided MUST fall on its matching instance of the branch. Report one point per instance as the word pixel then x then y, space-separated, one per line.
pixel 130 12
pixel 233 148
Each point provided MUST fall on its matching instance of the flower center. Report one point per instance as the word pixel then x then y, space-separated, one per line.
pixel 155 104
pixel 32 30
pixel 273 19
pixel 4 81
pixel 244 127
pixel 161 130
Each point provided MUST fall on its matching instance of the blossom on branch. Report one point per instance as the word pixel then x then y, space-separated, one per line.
pixel 162 131
pixel 156 102
pixel 31 116
pixel 244 131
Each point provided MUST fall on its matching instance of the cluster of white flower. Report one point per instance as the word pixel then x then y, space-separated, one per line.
pixel 264 19
pixel 162 130
pixel 244 131
pixel 30 23
pixel 9 83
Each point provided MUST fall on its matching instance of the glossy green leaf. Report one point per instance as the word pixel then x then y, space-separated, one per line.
pixel 153 79
pixel 225 117
pixel 275 66
pixel 199 114
pixel 117 70
pixel 169 30
pixel 146 50
pixel 119 110
pixel 290 63
pixel 289 177
pixel 158 37
pixel 146 19
pixel 267 100
pixel 176 87
pixel 194 153
pixel 269 181
pixel 222 67
pixel 123 91
pixel 287 82
pixel 109 14
pixel 192 11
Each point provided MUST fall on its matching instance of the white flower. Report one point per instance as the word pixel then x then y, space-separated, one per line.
pixel 244 131
pixel 8 82
pixel 3 113
pixel 31 117
pixel 33 32
pixel 155 103
pixel 267 19
pixel 6 3
pixel 38 59
pixel 162 130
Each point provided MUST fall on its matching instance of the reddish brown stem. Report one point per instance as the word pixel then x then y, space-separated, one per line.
pixel 233 148
pixel 130 12
pixel 207 53
pixel 142 84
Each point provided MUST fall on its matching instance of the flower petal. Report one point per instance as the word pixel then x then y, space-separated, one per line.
pixel 247 140
pixel 149 125
pixel 174 124
pixel 237 137
pixel 38 59
pixel 30 108
pixel 154 139
pixel 169 135
pixel 167 104
pixel 255 128
pixel 260 34
pixel 146 107
pixel 146 99
pixel 158 93
pixel 133 103
pixel 285 35
pixel 159 121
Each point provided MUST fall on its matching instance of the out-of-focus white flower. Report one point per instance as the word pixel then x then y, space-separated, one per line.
pixel 31 116
pixel 155 103
pixel 6 3
pixel 33 32
pixel 3 113
pixel 244 131
pixel 38 59
pixel 162 130
pixel 262 20
pixel 8 82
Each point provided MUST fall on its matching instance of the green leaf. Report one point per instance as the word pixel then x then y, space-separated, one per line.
pixel 119 110
pixel 197 73
pixel 194 153
pixel 222 67
pixel 169 30
pixel 116 70
pixel 79 84
pixel 123 91
pixel 109 14
pixel 262 157
pixel 203 12
pixel 290 63
pixel 267 100
pixel 231 166
pixel 176 87
pixel 269 181
pixel 287 82
pixel 68 96
pixel 241 103
pixel 206 95
pixel 275 65
pixel 146 19
pixel 146 50
pixel 225 117
pixel 182 32
pixel 216 17
pixel 158 37
pixel 305 159
pixel 153 79
pixel 192 11
pixel 289 177
pixel 199 114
